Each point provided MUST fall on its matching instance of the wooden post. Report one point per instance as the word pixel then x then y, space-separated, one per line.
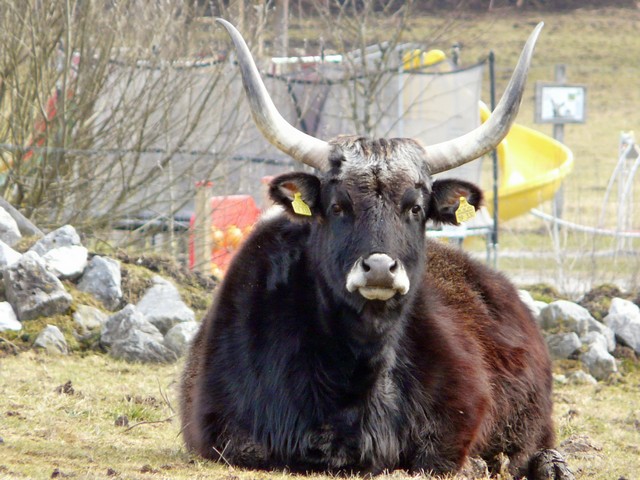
pixel 202 228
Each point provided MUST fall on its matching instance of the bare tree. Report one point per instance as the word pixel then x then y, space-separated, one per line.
pixel 355 27
pixel 111 109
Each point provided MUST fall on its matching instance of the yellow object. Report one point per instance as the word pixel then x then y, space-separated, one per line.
pixel 532 167
pixel 217 238
pixel 415 59
pixel 432 57
pixel 299 206
pixel 465 211
pixel 233 237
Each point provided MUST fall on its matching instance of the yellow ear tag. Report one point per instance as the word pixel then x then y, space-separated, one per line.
pixel 465 211
pixel 299 206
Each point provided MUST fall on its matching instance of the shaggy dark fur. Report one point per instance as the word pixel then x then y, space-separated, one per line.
pixel 290 370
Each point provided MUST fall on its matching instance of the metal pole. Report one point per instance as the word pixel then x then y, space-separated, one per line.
pixel 558 134
pixel 494 156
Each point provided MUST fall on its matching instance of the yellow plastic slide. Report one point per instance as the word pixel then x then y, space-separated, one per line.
pixel 531 169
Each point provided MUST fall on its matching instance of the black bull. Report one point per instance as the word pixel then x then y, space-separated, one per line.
pixel 341 339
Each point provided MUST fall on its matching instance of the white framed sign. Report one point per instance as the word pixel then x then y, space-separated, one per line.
pixel 560 103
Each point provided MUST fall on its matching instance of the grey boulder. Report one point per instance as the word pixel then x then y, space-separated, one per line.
pixel 102 279
pixel 563 345
pixel 66 262
pixel 180 336
pixel 33 290
pixel 8 318
pixel 626 329
pixel 163 307
pixel 62 237
pixel 599 362
pixel 574 318
pixel 9 231
pixel 88 319
pixel 8 256
pixel 52 341
pixel 129 336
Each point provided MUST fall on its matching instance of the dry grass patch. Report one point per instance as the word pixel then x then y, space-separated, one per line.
pixel 77 430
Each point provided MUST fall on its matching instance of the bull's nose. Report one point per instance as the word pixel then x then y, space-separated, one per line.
pixel 379 270
pixel 378 277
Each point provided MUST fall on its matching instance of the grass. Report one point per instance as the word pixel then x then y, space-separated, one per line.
pixel 77 430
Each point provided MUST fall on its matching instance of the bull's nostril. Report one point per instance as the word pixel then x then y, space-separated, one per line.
pixel 365 266
pixel 393 267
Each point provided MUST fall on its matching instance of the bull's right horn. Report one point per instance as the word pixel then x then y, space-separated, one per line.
pixel 274 127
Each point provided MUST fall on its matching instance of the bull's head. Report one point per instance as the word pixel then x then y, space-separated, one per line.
pixel 370 202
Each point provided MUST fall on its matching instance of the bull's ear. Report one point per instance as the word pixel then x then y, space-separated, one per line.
pixel 298 193
pixel 445 199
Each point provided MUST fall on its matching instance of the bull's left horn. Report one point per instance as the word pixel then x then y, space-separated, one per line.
pixel 274 127
pixel 450 154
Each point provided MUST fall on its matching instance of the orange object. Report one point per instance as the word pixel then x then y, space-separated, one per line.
pixel 233 237
pixel 232 217
pixel 217 238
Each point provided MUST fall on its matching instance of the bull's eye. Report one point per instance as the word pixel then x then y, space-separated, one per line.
pixel 336 209
pixel 416 209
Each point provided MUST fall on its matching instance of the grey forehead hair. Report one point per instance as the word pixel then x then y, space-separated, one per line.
pixel 388 159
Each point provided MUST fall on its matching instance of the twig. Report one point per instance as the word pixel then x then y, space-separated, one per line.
pixel 165 397
pixel 221 454
pixel 166 420
pixel 15 347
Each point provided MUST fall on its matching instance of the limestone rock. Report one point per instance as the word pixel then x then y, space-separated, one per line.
pixel 163 307
pixel 8 318
pixel 563 345
pixel 563 313
pixel 120 324
pixel 52 341
pixel 559 378
pixel 574 318
pixel 66 262
pixel 9 231
pixel 8 256
pixel 88 319
pixel 605 331
pixel 599 362
pixel 581 378
pixel 620 306
pixel 595 337
pixel 129 336
pixel 102 279
pixel 33 290
pixel 626 328
pixel 141 347
pixel 62 237
pixel 179 337
pixel 532 304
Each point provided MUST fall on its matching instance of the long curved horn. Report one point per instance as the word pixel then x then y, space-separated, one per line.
pixel 450 154
pixel 274 127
